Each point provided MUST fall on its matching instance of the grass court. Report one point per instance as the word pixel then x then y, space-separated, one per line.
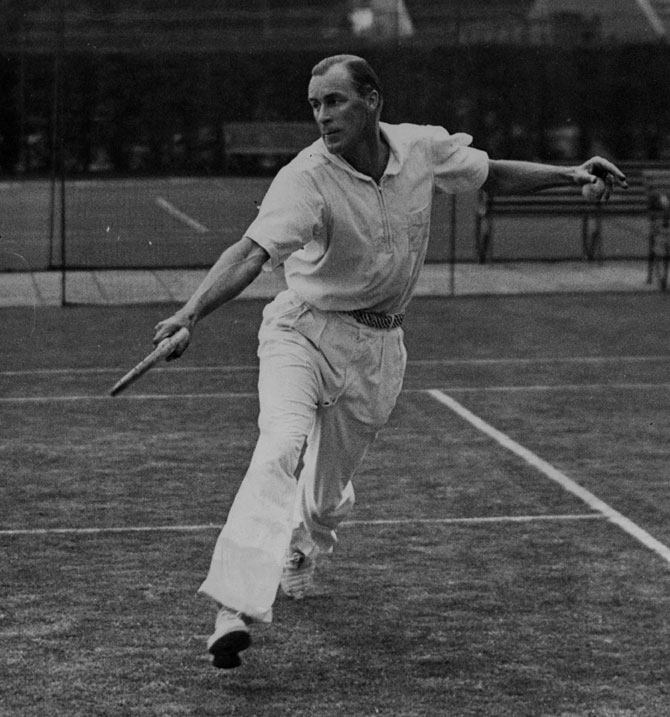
pixel 178 222
pixel 507 556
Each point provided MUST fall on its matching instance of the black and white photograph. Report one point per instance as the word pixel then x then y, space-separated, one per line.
pixel 335 378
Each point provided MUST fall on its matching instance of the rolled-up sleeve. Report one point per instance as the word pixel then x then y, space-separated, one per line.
pixel 290 216
pixel 457 166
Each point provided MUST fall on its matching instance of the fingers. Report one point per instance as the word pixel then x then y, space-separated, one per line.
pixel 163 330
pixel 170 328
pixel 597 177
pixel 607 171
pixel 609 186
pixel 181 341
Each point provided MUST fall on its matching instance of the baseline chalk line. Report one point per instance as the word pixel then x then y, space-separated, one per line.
pixel 108 530
pixel 555 475
pixel 538 360
pixel 181 216
pixel 228 396
pixel 419 363
pixel 231 395
pixel 389 521
pixel 476 519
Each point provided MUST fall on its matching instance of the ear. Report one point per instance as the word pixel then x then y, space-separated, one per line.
pixel 373 100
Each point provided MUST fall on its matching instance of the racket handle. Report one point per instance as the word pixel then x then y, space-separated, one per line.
pixel 163 350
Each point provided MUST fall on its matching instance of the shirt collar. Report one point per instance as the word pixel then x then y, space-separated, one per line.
pixel 395 156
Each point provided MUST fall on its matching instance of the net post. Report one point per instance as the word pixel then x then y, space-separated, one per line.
pixel 58 169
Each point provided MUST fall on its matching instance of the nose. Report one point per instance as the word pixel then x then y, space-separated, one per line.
pixel 321 115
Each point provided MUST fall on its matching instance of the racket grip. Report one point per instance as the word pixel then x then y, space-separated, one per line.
pixel 163 350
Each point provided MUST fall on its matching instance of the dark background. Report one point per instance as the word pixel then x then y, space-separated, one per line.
pixel 147 87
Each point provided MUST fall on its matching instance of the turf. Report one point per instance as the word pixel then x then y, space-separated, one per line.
pixel 123 223
pixel 535 615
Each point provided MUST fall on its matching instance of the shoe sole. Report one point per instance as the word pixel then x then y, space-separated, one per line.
pixel 227 648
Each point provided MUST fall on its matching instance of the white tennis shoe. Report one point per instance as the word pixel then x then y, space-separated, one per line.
pixel 297 577
pixel 230 637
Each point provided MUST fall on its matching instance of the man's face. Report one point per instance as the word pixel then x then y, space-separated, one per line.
pixel 343 116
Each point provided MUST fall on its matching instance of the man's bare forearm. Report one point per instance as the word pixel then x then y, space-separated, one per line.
pixel 235 269
pixel 516 177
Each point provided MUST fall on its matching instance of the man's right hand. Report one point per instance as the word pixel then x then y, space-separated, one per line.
pixel 168 327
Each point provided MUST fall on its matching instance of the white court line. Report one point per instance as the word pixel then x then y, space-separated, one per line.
pixel 231 395
pixel 417 362
pixel 640 386
pixel 348 523
pixel 103 371
pixel 181 216
pixel 102 531
pixel 555 475
pixel 127 397
pixel 479 519
pixel 538 360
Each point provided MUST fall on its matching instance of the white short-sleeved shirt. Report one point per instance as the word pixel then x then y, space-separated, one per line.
pixel 347 242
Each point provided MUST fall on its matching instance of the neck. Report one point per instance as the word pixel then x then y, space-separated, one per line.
pixel 370 157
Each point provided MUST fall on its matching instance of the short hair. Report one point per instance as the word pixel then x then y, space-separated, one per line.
pixel 363 77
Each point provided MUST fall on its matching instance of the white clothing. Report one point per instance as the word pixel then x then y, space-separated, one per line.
pixel 349 243
pixel 327 384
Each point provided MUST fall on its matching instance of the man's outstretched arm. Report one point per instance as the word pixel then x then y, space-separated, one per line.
pixel 235 269
pixel 516 177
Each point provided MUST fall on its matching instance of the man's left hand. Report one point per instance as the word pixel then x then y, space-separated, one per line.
pixel 597 177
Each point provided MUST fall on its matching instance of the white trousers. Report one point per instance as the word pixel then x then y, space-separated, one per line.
pixel 327 384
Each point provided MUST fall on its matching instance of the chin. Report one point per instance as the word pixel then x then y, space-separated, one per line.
pixel 332 147
pixel 335 145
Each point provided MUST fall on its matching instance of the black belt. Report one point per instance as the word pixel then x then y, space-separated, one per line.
pixel 377 320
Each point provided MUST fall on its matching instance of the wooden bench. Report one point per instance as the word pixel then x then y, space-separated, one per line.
pixel 648 194
pixel 269 143
pixel 558 202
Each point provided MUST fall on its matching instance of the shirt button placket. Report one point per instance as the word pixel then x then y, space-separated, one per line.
pixel 386 223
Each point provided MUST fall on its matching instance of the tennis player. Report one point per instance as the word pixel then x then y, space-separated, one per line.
pixel 349 220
